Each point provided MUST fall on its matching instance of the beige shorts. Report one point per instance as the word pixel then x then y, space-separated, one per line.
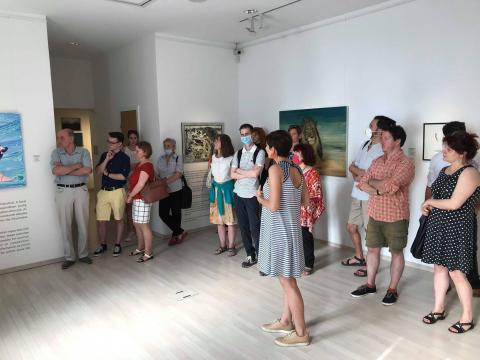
pixel 108 201
pixel 358 213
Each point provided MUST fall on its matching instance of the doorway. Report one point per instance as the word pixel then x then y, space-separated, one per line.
pixel 128 121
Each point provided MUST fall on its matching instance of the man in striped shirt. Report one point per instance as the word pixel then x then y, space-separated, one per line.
pixel 387 182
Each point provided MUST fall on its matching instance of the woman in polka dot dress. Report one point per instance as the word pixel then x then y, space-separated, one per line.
pixel 451 230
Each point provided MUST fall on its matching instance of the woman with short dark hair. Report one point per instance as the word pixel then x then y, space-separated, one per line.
pixel 450 229
pixel 311 212
pixel 281 248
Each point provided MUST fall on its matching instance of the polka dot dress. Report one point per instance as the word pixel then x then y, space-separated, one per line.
pixel 450 235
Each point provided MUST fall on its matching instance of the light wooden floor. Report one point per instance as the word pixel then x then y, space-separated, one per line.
pixel 118 309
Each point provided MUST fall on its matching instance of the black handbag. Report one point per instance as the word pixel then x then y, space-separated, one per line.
pixel 417 246
pixel 186 194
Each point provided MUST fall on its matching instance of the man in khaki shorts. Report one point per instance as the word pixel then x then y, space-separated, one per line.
pixel 387 182
pixel 114 166
pixel 358 216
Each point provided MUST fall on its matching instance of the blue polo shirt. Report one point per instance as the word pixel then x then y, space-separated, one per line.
pixel 120 164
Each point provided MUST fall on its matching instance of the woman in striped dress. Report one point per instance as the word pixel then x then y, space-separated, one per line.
pixel 281 248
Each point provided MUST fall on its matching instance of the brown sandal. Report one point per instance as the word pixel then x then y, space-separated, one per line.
pixel 358 262
pixel 232 252
pixel 220 250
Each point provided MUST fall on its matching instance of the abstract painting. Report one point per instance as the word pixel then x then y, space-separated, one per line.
pixel 12 165
pixel 197 140
pixel 326 130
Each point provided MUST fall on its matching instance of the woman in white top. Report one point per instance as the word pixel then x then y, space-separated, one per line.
pixel 131 148
pixel 221 194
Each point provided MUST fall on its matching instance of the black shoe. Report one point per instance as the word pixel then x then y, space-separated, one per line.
pixel 261 273
pixel 117 250
pixel 100 250
pixel 67 263
pixel 249 261
pixel 364 290
pixel 86 260
pixel 390 297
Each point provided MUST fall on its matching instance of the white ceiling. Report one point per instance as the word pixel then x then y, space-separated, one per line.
pixel 100 25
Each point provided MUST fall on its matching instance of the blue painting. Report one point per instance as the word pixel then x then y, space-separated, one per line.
pixel 326 130
pixel 12 165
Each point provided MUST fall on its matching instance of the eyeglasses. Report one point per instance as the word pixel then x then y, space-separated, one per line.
pixel 112 142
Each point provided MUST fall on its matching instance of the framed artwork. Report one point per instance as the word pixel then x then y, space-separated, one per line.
pixel 432 139
pixel 197 140
pixel 326 130
pixel 71 123
pixel 12 164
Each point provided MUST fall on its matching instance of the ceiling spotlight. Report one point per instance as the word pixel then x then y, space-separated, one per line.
pixel 73 43
pixel 250 11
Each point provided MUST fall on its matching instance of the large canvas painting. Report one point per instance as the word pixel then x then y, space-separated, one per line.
pixel 326 130
pixel 12 165
pixel 197 140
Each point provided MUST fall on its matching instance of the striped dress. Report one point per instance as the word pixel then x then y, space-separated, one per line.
pixel 281 245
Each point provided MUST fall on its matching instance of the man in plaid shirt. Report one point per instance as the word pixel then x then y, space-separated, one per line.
pixel 387 182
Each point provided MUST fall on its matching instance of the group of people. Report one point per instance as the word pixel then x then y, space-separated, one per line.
pixel 122 169
pixel 383 174
pixel 271 189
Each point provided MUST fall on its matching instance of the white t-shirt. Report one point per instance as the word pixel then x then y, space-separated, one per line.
pixel 247 187
pixel 131 154
pixel 363 160
pixel 221 168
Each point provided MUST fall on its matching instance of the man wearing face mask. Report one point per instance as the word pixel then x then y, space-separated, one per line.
pixel 358 216
pixel 247 165
pixel 170 168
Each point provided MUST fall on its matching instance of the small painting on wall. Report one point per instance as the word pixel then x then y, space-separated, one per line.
pixel 12 165
pixel 432 139
pixel 326 130
pixel 197 140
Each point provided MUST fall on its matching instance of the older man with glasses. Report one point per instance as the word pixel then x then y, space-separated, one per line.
pixel 114 166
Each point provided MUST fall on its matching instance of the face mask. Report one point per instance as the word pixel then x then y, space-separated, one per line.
pixel 296 160
pixel 168 151
pixel 246 139
pixel 368 132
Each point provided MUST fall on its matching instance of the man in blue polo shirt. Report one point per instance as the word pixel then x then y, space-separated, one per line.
pixel 71 166
pixel 114 166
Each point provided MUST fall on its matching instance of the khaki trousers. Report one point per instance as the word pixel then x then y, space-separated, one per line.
pixel 69 200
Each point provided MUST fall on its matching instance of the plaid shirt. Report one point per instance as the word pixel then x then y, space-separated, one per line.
pixel 398 172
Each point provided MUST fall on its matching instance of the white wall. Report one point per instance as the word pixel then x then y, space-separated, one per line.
pixel 72 83
pixel 196 82
pixel 416 62
pixel 25 87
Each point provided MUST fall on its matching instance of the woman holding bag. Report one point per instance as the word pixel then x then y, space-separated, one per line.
pixel 141 175
pixel 221 194
pixel 450 229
